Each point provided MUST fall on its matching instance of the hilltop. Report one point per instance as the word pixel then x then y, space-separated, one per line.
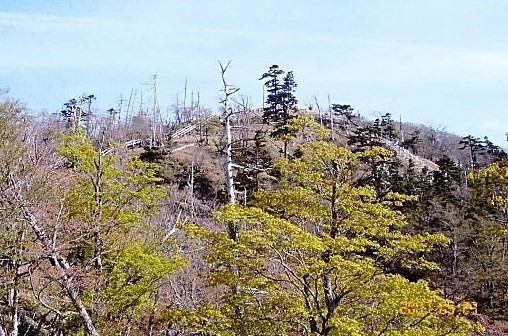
pixel 126 222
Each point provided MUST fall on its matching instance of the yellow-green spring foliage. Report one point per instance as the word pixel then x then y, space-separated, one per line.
pixel 134 274
pixel 110 204
pixel 490 184
pixel 124 190
pixel 311 258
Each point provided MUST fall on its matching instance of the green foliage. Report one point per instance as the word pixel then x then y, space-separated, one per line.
pixel 280 99
pixel 475 147
pixel 345 112
pixel 135 271
pixel 491 185
pixel 364 137
pixel 109 202
pixel 310 257
pixel 11 114
pixel 125 191
pixel 384 127
pixel 305 125
pixel 489 235
pixel 281 102
pixel 328 252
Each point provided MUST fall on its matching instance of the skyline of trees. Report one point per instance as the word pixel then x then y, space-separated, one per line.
pixel 337 235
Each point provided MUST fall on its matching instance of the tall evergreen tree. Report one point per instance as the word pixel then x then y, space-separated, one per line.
pixel 345 113
pixel 412 142
pixel 474 146
pixel 495 151
pixel 281 101
pixel 363 138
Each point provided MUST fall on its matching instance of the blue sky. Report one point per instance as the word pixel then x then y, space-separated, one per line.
pixel 443 63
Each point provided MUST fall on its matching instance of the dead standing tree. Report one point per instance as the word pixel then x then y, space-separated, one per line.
pixel 227 112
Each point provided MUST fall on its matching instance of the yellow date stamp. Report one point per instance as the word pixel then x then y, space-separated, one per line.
pixel 422 307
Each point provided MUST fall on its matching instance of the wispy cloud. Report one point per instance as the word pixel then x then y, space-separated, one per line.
pixel 113 42
pixel 40 22
pixel 394 62
pixel 54 23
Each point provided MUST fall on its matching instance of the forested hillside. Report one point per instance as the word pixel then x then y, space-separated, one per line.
pixel 280 220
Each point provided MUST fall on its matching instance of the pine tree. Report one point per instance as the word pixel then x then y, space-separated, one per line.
pixel 495 151
pixel 345 113
pixel 364 137
pixel 281 101
pixel 412 142
pixel 474 146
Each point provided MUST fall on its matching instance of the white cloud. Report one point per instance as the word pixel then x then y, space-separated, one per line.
pixel 359 60
pixel 41 23
pixel 54 23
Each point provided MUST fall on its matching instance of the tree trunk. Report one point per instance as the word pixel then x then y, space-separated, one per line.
pixel 13 302
pixel 229 163
pixel 58 262
pixel 97 212
pixel 332 131
pixel 308 305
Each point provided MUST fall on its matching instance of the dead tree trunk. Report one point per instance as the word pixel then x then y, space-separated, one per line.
pixel 229 163
pixel 227 113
